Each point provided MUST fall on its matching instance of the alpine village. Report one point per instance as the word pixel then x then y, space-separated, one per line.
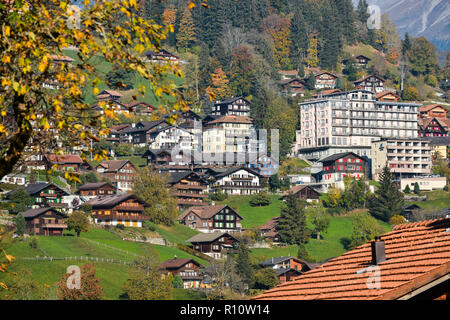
pixel 221 150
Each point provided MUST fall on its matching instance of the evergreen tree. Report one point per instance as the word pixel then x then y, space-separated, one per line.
pixel 299 39
pixel 292 222
pixel 387 201
pixel 19 221
pixel 243 265
pixel 303 254
pixel 406 44
pixel 186 30
pixel 311 82
pixel 416 188
pixel 407 189
pixel 301 71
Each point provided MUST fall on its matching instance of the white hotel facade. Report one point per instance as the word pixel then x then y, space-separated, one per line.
pixel 350 121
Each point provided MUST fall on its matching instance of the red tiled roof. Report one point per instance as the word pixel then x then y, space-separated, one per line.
pixel 384 93
pixel 232 119
pixel 272 223
pixel 67 158
pixel 416 253
pixel 113 165
pixel 430 107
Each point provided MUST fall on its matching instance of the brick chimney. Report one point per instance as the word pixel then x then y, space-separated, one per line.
pixel 378 251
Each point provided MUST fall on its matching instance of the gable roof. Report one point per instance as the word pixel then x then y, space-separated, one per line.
pixel 276 260
pixel 175 177
pixel 94 185
pixel 143 126
pixel 66 158
pixel 31 213
pixel 112 200
pixel 206 212
pixel 177 263
pixel 385 93
pixel 234 169
pixel 431 107
pixel 299 188
pixel 231 100
pixel 38 187
pixel 337 156
pixel 417 254
pixel 232 119
pixel 208 237
pixel 272 223
pixel 366 77
pixel 113 165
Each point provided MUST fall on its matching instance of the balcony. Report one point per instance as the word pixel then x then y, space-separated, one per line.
pixel 120 217
pixel 241 178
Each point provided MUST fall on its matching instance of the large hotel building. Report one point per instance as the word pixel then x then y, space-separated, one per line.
pixel 350 121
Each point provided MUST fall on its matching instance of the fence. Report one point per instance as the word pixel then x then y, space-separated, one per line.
pixel 113 248
pixel 80 258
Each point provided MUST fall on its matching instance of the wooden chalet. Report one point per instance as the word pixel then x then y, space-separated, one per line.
pixel 286 268
pixel 433 111
pixel 96 189
pixel 269 230
pixel 187 269
pixel 189 189
pixel 303 192
pixel 434 127
pixel 44 222
pixel 120 173
pixel 68 162
pixel 370 83
pixel 238 106
pixel 141 132
pixel 140 108
pixel 294 87
pixel 162 157
pixel 325 79
pixel 162 56
pixel 236 181
pixel 125 209
pixel 215 244
pixel 217 218
pixel 387 96
pixel 109 95
pixel 44 194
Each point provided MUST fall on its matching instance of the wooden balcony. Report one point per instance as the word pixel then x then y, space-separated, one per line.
pixel 120 217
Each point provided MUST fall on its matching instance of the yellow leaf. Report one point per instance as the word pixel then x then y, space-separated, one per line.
pixel 7 31
pixel 96 91
pixel 46 125
pixel 3 285
pixel 191 5
pixel 6 59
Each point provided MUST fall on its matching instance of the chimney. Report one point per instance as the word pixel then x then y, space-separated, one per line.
pixel 378 251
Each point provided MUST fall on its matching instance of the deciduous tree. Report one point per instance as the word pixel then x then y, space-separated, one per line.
pixel 91 288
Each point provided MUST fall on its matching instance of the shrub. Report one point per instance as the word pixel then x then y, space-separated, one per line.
pixel 219 196
pixel 397 219
pixel 407 189
pixel 177 282
pixel 34 242
pixel 260 199
pixel 120 227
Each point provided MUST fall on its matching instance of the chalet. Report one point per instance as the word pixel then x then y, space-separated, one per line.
pixel 265 165
pixel 187 269
pixel 189 189
pixel 161 56
pixel 294 87
pixel 286 268
pixel 325 79
pixel 95 189
pixel 109 95
pixel 218 218
pixel 125 209
pixel 67 162
pixel 370 83
pixel 140 108
pixel 159 158
pixel 120 173
pixel 115 133
pixel 45 195
pixel 288 74
pixel 434 127
pixel 188 120
pixel 340 165
pixel 44 222
pixel 409 211
pixel 361 60
pixel 215 245
pixel 304 192
pixel 269 230
pixel 57 62
pixel 433 111
pixel 141 132
pixel 237 181
pixel 387 96
pixel 170 137
pixel 15 178
pixel 414 254
pixel 238 106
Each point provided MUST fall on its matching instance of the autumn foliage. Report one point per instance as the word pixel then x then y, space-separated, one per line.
pixel 91 288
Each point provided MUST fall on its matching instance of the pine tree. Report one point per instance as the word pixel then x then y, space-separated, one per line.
pixel 299 38
pixel 19 220
pixel 186 30
pixel 243 265
pixel 292 222
pixel 387 201
pixel 407 189
pixel 406 44
pixel 303 254
pixel 416 188
pixel 311 82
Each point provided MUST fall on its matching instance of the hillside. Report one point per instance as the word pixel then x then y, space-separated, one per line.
pixel 97 244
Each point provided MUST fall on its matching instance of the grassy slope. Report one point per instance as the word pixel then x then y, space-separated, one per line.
pixel 113 276
pixel 436 200
pixel 327 247
pixel 253 216
pixel 104 67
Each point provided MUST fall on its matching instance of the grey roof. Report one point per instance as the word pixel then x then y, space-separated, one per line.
pixel 174 177
pixel 208 237
pixel 438 141
pixel 232 170
pixel 146 125
pixel 31 213
pixel 37 187
pixel 231 100
pixel 337 156
pixel 93 185
pixel 112 200
pixel 273 261
pixel 281 271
